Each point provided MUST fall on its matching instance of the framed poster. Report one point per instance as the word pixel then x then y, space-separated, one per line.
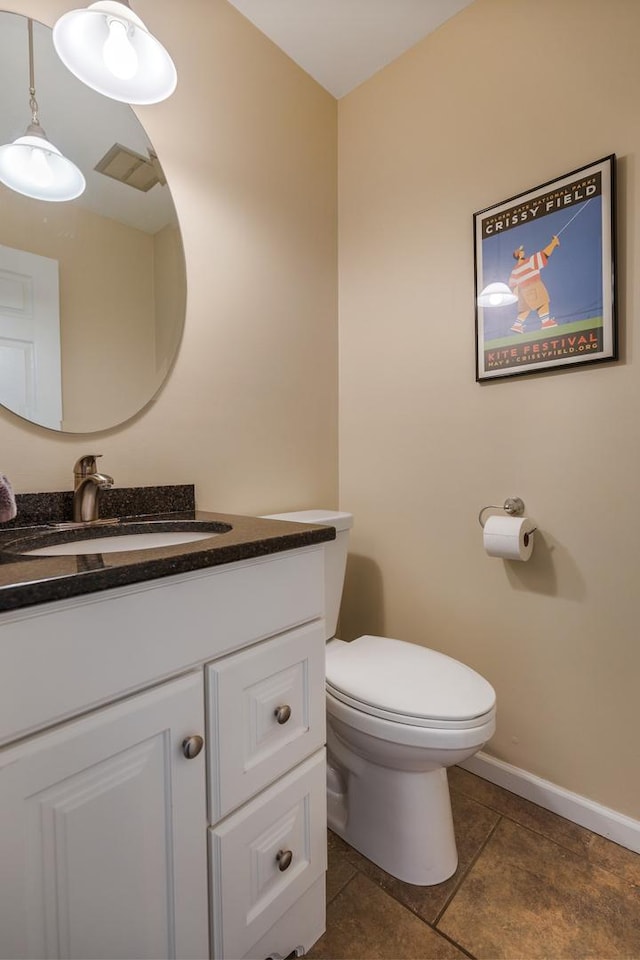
pixel 554 248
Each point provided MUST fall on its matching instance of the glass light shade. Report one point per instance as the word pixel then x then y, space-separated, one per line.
pixel 496 295
pixel 34 167
pixel 110 49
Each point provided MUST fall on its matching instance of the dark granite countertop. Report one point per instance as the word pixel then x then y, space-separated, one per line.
pixel 25 581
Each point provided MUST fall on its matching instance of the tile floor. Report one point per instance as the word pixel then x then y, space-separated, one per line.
pixel 529 885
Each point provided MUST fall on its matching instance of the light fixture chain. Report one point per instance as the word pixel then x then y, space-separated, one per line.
pixel 33 103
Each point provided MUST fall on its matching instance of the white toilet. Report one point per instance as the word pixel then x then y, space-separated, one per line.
pixel 398 715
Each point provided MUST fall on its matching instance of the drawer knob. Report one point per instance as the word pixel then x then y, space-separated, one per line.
pixel 192 746
pixel 284 858
pixel 282 713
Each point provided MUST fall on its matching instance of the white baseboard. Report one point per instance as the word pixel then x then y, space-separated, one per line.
pixel 601 820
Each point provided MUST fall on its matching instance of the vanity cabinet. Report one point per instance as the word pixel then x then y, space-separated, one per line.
pixel 119 837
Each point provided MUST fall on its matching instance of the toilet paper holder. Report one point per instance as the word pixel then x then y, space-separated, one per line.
pixel 514 506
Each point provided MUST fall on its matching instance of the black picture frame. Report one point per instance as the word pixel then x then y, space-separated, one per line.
pixel 564 309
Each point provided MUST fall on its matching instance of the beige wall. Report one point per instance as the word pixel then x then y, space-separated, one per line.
pixel 169 295
pixel 504 96
pixel 107 322
pixel 107 333
pixel 249 413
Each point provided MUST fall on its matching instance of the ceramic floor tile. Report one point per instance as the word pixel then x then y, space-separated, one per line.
pixel 365 923
pixel 473 825
pixel 527 896
pixel 340 868
pixel 611 856
pixel 530 815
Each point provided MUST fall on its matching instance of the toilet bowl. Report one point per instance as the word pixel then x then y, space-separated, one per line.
pixel 398 714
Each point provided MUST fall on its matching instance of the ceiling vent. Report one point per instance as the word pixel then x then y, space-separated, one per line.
pixel 125 165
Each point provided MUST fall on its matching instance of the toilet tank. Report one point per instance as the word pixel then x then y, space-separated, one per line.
pixel 335 555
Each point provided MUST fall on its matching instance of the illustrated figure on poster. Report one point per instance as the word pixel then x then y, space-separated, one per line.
pixel 525 281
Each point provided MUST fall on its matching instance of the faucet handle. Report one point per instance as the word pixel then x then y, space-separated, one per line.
pixel 86 465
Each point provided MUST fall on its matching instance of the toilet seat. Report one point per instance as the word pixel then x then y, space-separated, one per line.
pixel 407 684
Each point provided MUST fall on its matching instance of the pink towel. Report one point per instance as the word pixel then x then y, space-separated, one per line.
pixel 8 508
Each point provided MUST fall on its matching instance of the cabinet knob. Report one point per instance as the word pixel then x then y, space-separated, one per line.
pixel 191 746
pixel 282 713
pixel 284 858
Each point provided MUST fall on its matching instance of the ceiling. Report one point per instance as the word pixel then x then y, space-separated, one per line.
pixel 341 43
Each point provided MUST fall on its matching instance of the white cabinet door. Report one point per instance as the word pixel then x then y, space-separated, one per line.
pixel 102 834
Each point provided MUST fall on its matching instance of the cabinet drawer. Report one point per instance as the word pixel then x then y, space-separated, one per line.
pixel 265 713
pixel 249 888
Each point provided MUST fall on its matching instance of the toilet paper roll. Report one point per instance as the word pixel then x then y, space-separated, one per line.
pixel 509 537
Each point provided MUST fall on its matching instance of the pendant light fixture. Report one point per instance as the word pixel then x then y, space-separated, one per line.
pixel 32 165
pixel 496 295
pixel 110 49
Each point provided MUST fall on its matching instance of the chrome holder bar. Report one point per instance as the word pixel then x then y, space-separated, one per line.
pixel 514 506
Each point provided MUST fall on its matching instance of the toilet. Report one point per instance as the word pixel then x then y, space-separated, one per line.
pixel 398 714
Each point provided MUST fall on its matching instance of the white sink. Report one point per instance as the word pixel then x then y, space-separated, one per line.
pixel 131 541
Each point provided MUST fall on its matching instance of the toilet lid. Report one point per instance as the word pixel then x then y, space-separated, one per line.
pixel 395 678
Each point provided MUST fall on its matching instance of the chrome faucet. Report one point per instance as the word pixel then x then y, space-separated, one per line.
pixel 87 484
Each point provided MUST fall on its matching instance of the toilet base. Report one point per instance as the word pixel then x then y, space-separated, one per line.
pixel 401 820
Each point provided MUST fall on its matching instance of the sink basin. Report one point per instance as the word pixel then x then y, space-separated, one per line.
pixel 117 538
pixel 132 541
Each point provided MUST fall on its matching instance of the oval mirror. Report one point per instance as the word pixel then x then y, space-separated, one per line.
pixel 93 290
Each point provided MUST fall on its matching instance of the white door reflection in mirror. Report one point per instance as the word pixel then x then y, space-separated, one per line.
pixel 30 374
